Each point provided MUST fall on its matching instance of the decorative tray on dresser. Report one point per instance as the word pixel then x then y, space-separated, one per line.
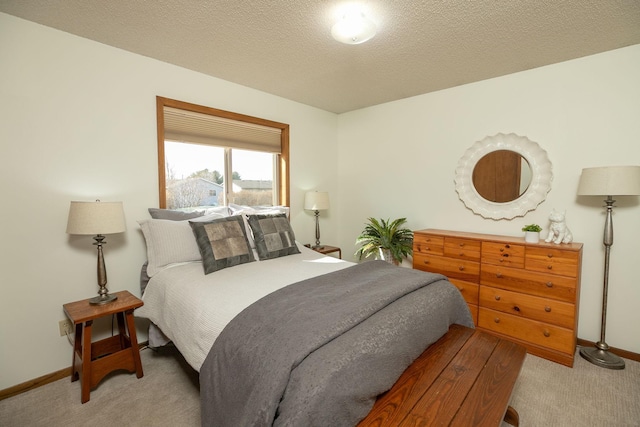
pixel 527 292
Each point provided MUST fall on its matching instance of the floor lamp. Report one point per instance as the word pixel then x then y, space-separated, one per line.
pixel 97 218
pixel 607 181
pixel 316 201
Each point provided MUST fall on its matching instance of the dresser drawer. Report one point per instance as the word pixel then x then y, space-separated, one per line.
pixel 456 247
pixel 535 332
pixel 505 254
pixel 452 268
pixel 468 290
pixel 428 244
pixel 544 285
pixel 551 260
pixel 531 307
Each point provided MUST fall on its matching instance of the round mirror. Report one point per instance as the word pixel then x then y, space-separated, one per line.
pixel 503 176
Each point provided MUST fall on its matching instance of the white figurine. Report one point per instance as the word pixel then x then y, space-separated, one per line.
pixel 558 230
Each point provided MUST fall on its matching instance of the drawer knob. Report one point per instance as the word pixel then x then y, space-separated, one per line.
pixel 505 255
pixel 461 244
pixel 501 249
pixel 550 267
pixel 507 246
pixel 461 268
pixel 547 309
pixel 546 333
pixel 426 261
pixel 549 285
pixel 550 255
pixel 516 308
pixel 497 297
pixel 499 275
pixel 497 320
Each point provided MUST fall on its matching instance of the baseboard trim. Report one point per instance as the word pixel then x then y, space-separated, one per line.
pixel 43 380
pixel 617 351
pixel 35 383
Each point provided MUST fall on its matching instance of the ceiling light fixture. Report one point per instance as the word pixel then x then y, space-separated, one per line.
pixel 353 28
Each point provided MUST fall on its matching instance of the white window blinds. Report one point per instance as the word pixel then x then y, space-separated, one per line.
pixel 189 126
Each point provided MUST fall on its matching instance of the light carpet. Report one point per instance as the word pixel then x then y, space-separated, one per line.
pixel 546 394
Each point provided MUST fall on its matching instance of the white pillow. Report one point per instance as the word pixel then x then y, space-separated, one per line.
pixel 222 210
pixel 263 210
pixel 170 242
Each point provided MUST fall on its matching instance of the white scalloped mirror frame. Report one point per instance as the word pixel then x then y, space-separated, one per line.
pixel 541 176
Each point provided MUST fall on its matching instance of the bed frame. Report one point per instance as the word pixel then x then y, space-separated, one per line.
pixel 465 378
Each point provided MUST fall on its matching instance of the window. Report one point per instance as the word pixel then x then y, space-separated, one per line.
pixel 199 147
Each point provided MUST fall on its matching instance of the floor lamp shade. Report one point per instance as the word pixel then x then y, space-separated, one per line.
pixel 610 181
pixel 316 201
pixel 97 218
pixel 607 181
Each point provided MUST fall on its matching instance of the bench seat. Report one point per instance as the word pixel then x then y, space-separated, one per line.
pixel 465 378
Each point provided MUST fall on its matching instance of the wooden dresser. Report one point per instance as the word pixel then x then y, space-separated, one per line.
pixel 526 292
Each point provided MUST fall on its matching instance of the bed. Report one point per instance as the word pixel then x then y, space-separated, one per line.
pixel 285 335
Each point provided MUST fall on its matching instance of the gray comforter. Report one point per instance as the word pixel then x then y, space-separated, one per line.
pixel 319 352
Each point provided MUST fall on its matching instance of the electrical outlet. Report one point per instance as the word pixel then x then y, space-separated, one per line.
pixel 66 327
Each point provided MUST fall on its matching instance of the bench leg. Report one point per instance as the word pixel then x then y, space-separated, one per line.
pixel 511 417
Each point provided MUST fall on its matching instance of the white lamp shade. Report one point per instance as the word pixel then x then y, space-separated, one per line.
pixel 316 200
pixel 610 181
pixel 96 218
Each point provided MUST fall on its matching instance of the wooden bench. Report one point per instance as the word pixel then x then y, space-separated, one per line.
pixel 464 379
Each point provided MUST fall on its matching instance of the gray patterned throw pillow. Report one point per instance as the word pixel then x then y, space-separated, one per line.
pixel 273 236
pixel 222 242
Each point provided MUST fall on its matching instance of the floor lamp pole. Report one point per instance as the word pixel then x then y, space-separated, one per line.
pixel 600 355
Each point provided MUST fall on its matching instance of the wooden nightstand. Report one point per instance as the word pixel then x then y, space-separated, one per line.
pixel 92 361
pixel 326 249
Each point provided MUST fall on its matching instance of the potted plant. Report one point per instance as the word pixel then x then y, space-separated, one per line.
pixel 386 240
pixel 532 233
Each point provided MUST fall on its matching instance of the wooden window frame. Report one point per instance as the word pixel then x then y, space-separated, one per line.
pixel 282 159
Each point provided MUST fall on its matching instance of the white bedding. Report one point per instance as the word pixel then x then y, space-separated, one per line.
pixel 192 308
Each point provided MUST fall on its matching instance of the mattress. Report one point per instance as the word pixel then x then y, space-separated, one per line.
pixel 192 308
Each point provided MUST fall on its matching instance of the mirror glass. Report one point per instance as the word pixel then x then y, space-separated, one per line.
pixel 501 176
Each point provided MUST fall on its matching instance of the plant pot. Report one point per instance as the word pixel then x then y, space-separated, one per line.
pixel 532 236
pixel 385 254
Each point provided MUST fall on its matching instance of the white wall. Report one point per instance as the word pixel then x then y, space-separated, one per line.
pixel 79 123
pixel 398 160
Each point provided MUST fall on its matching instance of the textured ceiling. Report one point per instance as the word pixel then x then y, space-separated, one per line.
pixel 284 47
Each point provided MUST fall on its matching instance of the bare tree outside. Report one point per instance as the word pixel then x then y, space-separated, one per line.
pixel 185 193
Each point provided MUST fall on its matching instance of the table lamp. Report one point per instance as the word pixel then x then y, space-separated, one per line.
pixel 97 218
pixel 316 201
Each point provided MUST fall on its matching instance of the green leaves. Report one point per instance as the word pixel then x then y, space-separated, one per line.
pixel 532 227
pixel 385 234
